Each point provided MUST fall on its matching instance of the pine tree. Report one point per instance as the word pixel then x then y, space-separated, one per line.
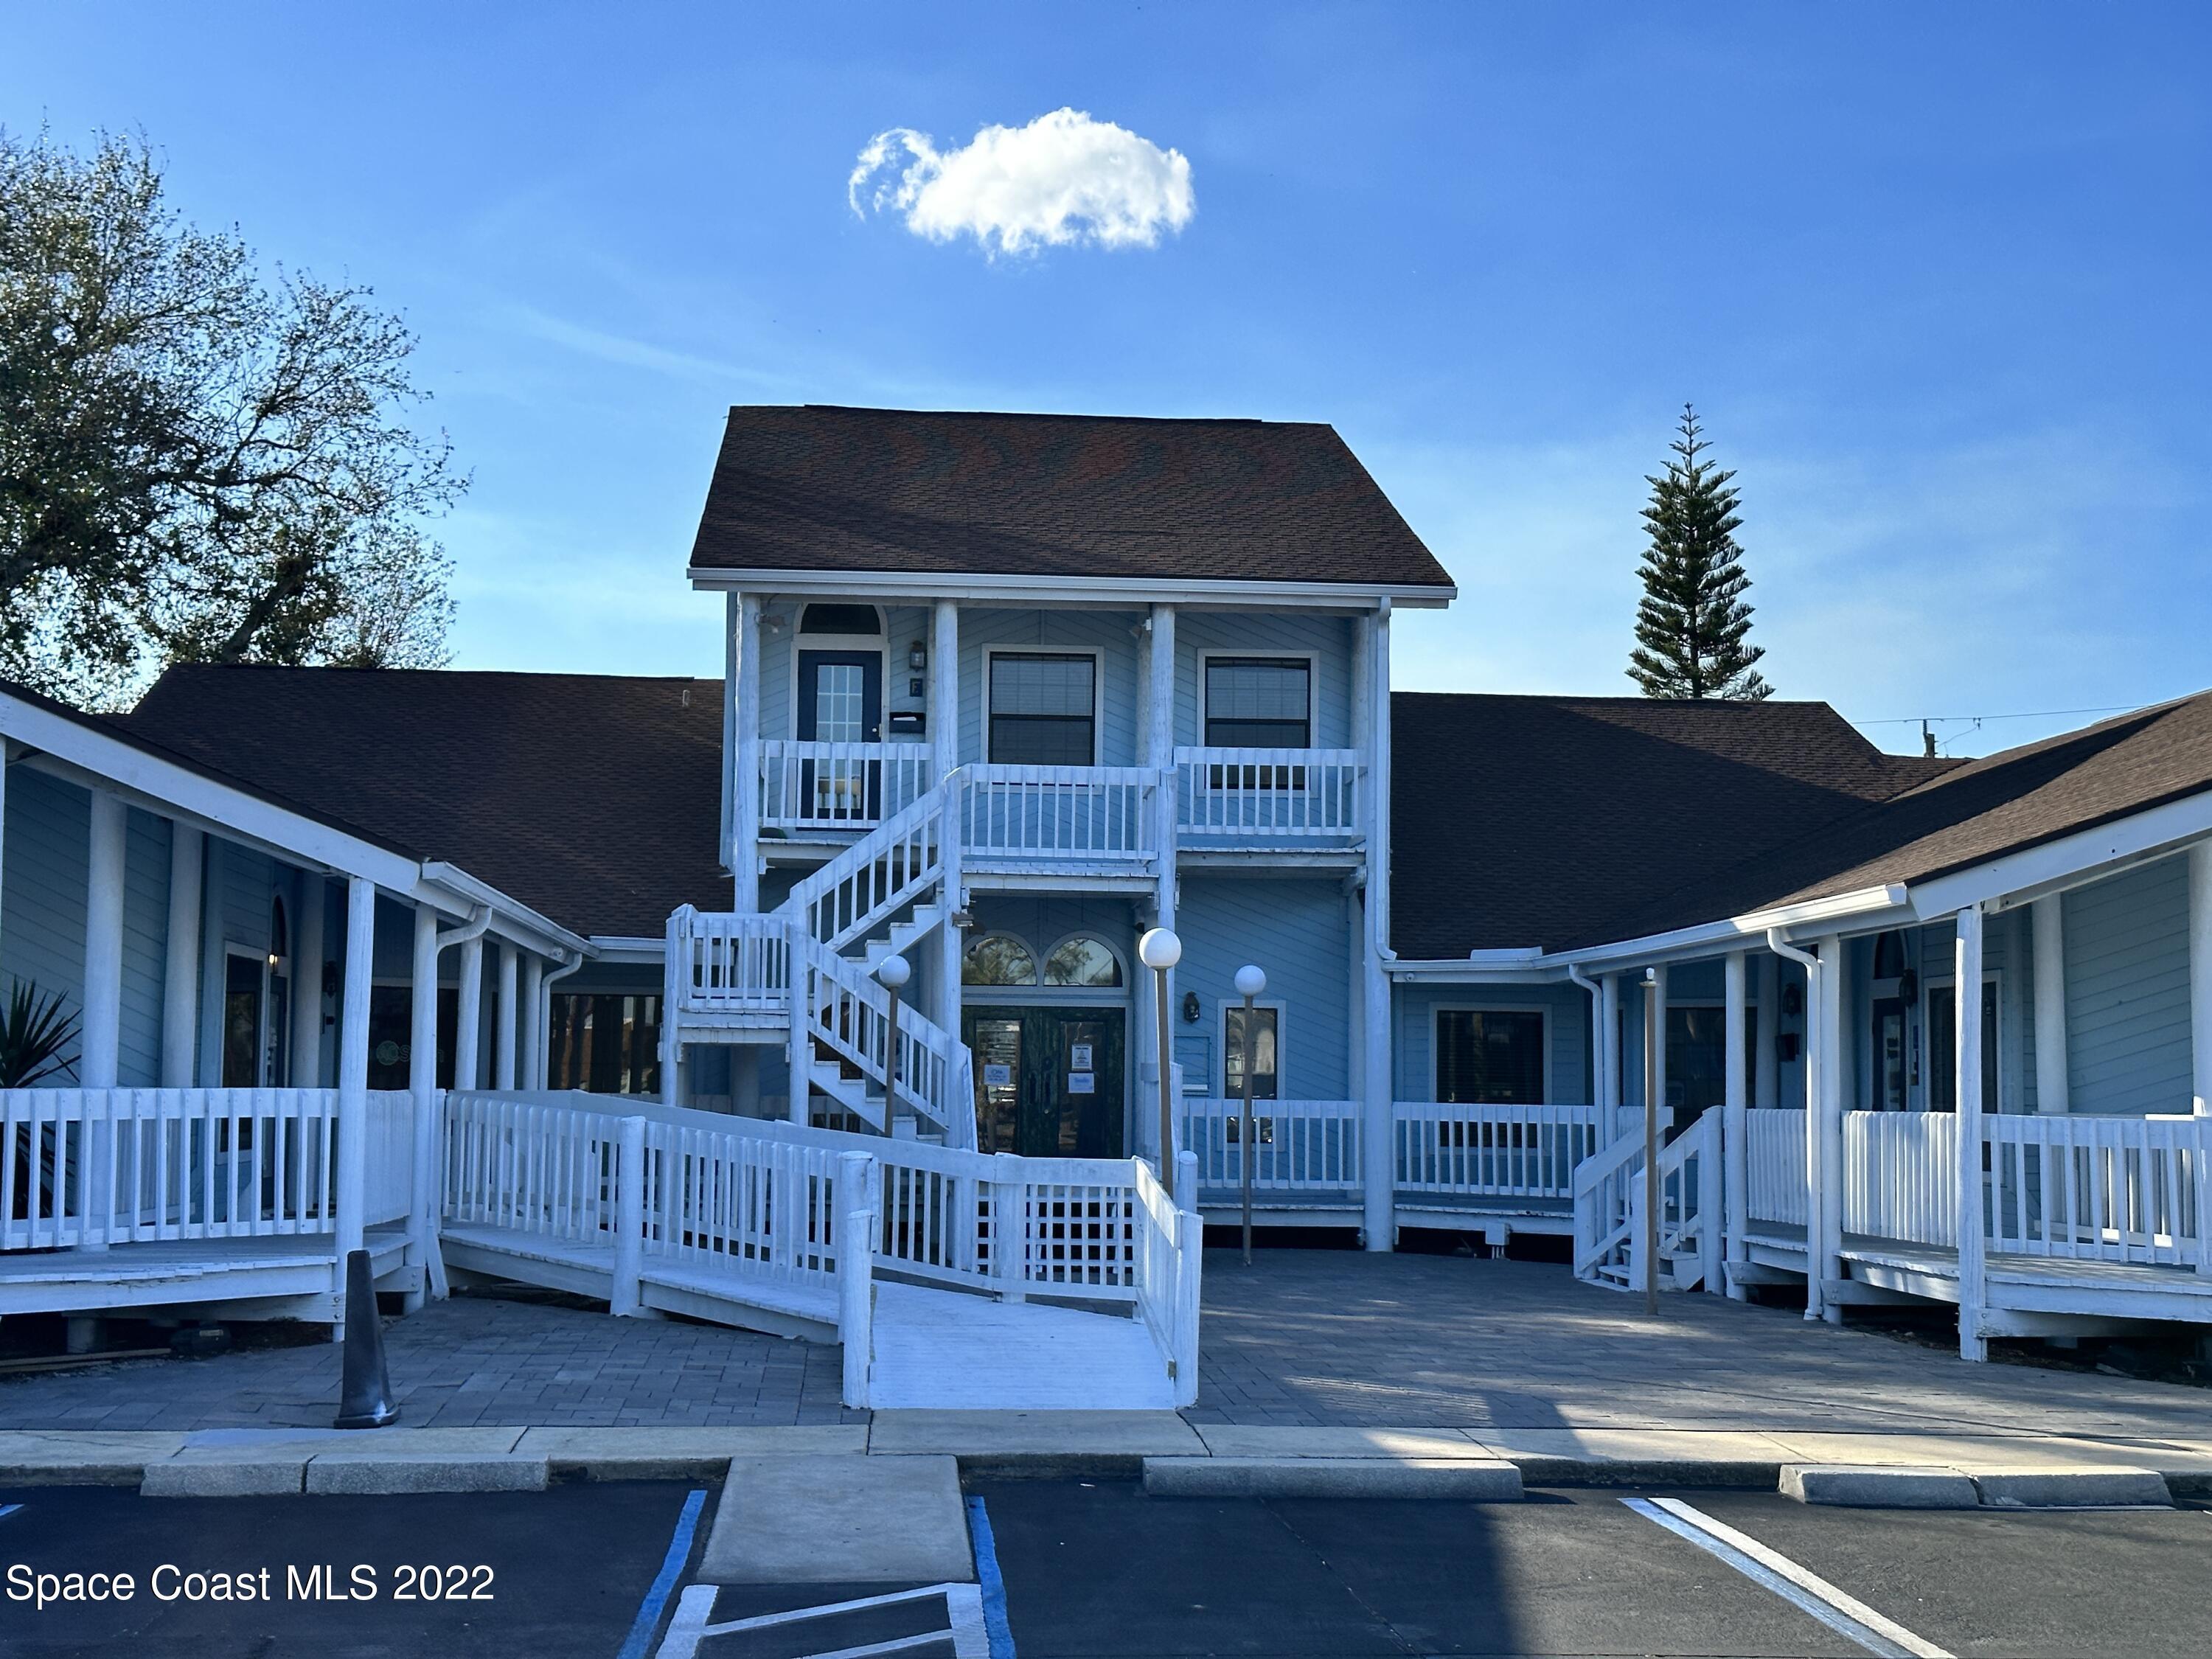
pixel 1692 626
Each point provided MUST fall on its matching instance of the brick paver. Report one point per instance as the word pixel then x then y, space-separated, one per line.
pixel 1304 1338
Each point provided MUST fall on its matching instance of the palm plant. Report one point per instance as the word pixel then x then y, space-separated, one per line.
pixel 36 1029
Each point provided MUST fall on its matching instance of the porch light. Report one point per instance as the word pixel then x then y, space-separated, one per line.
pixel 893 972
pixel 917 658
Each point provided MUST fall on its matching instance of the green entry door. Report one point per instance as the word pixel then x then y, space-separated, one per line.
pixel 1048 1080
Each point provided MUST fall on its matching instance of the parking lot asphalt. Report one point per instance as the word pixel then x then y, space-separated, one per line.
pixel 1096 1568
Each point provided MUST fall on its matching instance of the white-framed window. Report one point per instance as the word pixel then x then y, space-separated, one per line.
pixel 998 959
pixel 1489 1056
pixel 1939 1020
pixel 1257 702
pixel 1085 962
pixel 1267 1054
pixel 1041 707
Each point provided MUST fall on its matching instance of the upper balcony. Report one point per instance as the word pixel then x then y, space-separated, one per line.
pixel 1227 800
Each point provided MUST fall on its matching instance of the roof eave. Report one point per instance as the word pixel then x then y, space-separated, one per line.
pixel 984 588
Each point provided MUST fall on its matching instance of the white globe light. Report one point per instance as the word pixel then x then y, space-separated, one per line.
pixel 894 971
pixel 1159 949
pixel 1250 981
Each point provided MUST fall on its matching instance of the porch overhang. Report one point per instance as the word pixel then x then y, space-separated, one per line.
pixel 1133 592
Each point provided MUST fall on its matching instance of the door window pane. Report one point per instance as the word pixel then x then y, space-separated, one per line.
pixel 241 1022
pixel 997 1043
pixel 1944 1049
pixel 1265 1026
pixel 840 702
pixel 1490 1056
pixel 1041 710
pixel 1255 703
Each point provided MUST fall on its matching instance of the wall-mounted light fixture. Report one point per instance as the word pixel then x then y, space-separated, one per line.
pixel 917 658
pixel 1190 1009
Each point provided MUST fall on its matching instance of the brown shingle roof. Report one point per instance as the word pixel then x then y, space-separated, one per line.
pixel 1528 821
pixel 593 799
pixel 864 490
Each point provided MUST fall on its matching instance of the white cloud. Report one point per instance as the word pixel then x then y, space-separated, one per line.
pixel 1063 179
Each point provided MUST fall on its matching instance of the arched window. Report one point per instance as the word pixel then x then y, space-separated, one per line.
pixel 840 619
pixel 998 959
pixel 1083 960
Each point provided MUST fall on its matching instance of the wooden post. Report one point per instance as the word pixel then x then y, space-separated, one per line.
pixel 1736 1177
pixel 743 852
pixel 529 1039
pixel 1610 1038
pixel 1190 1262
pixel 1159 755
pixel 944 702
pixel 99 1028
pixel 353 1081
pixel 180 973
pixel 468 1017
pixel 1823 1127
pixel 307 954
pixel 856 1250
pixel 1655 1074
pixel 1378 1127
pixel 1966 1001
pixel 2048 925
pixel 2200 976
pixel 624 1300
pixel 1767 1070
pixel 1166 1141
pixel 509 1029
pixel 423 1089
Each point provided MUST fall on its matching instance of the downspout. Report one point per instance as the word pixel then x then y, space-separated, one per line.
pixel 1816 1065
pixel 1598 1055
pixel 542 1063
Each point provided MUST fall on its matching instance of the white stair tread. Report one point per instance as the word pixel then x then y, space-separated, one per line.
pixel 946 1350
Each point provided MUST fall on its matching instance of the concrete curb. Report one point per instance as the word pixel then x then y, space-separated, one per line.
pixel 374 1473
pixel 1854 1486
pixel 188 1476
pixel 1475 1480
pixel 2036 1488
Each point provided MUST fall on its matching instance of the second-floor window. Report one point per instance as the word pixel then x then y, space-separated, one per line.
pixel 1044 710
pixel 1258 702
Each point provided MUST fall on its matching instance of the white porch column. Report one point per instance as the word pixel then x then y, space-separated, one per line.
pixel 423 1086
pixel 1378 1151
pixel 1966 1004
pixel 352 1079
pixel 1766 1069
pixel 529 1036
pixel 508 1029
pixel 306 1071
pixel 1825 1126
pixel 1609 1040
pixel 468 1017
pixel 2200 974
pixel 1159 755
pixel 180 969
pixel 743 852
pixel 101 1025
pixel 2051 1086
pixel 944 707
pixel 1736 1173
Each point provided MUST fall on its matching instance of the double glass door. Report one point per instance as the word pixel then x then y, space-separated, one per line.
pixel 1049 1081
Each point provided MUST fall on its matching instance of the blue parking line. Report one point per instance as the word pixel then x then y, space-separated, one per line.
pixel 663 1585
pixel 996 1630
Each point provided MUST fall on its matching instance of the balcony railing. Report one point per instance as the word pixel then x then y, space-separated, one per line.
pixel 838 786
pixel 1243 796
pixel 1058 812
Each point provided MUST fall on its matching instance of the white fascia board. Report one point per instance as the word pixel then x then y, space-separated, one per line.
pixel 2071 860
pixel 1858 911
pixel 518 923
pixel 169 788
pixel 1519 967
pixel 1127 591
pixel 617 948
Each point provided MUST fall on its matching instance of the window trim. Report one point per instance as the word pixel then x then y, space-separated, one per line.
pixel 1312 660
pixel 264 1036
pixel 1224 1008
pixel 1542 1010
pixel 1949 981
pixel 879 642
pixel 1121 962
pixel 1036 961
pixel 1097 655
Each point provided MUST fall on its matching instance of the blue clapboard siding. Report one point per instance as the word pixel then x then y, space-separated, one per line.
pixel 1298 931
pixel 1248 634
pixel 1054 630
pixel 2127 992
pixel 42 909
pixel 1414 1066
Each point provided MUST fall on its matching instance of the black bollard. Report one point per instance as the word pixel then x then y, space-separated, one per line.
pixel 365 1394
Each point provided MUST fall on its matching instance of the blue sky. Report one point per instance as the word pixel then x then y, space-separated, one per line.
pixel 1934 276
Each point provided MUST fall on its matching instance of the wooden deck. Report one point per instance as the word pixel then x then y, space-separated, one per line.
pixel 204 1274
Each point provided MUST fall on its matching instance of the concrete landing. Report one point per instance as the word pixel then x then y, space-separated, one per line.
pixel 840 1520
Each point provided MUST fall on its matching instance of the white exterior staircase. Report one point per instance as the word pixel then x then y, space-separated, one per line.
pixel 1609 1205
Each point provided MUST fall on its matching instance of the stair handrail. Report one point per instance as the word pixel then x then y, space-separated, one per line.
pixel 860 912
pixel 814 965
pixel 1596 1237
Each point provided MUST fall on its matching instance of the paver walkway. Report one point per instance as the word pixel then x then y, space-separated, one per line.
pixel 1307 1339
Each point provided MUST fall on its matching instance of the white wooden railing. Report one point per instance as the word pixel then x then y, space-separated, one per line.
pixel 1492 1150
pixel 1171 1242
pixel 879 875
pixel 1609 1197
pixel 723 964
pixel 89 1168
pixel 1058 812
pixel 2098 1188
pixel 1900 1175
pixel 838 786
pixel 1258 794
pixel 1300 1145
pixel 1774 1163
pixel 844 1008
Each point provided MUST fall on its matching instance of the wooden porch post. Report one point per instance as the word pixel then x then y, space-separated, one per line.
pixel 101 1025
pixel 307 954
pixel 944 706
pixel 1609 1040
pixel 1824 1127
pixel 353 1082
pixel 2200 976
pixel 528 1037
pixel 2052 1087
pixel 742 853
pixel 1734 1103
pixel 1159 755
pixel 1378 1155
pixel 1766 1072
pixel 423 1086
pixel 1656 1008
pixel 1967 1007
pixel 508 1029
pixel 180 972
pixel 468 1017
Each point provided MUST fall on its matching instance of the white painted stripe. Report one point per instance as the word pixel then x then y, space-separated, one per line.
pixel 963 1606
pixel 829 1609
pixel 1801 1587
